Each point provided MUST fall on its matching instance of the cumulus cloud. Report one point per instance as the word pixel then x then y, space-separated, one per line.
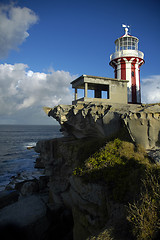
pixel 151 89
pixel 24 92
pixel 14 24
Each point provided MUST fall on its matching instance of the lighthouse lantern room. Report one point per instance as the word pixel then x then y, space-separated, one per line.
pixel 127 60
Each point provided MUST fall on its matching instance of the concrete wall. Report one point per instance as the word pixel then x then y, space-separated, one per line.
pixel 117 89
pixel 118 92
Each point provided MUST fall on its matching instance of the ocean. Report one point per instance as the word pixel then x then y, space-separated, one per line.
pixel 14 155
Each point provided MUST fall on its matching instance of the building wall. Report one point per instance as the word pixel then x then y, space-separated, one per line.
pixel 117 89
pixel 118 92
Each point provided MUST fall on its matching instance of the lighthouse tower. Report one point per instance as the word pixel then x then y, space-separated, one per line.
pixel 127 60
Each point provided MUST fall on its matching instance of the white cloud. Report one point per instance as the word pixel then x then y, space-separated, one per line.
pixel 151 89
pixel 23 92
pixel 14 24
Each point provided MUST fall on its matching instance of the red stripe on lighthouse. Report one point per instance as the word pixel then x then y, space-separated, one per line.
pixel 133 79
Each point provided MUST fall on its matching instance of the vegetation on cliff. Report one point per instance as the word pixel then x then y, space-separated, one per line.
pixel 144 215
pixel 132 180
pixel 120 165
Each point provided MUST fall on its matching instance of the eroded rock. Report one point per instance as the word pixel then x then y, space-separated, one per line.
pixel 90 203
pixel 141 123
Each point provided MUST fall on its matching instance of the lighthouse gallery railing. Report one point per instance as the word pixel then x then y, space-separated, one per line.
pixel 127 53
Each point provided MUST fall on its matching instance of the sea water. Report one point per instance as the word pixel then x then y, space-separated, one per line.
pixel 14 155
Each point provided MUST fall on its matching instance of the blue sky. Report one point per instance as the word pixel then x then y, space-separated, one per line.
pixel 60 40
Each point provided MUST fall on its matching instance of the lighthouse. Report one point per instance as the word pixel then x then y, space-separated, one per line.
pixel 126 61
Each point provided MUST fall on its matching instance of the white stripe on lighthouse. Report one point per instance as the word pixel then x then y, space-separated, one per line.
pixel 128 77
pixel 119 69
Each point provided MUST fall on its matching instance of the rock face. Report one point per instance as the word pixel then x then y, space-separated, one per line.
pixel 90 204
pixel 60 156
pixel 46 208
pixel 141 123
pixel 84 127
pixel 8 197
pixel 26 214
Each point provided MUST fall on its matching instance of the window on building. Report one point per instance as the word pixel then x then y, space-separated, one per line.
pixel 132 74
pixel 105 94
pixel 90 93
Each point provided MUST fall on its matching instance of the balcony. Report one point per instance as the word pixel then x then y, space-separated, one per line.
pixel 127 53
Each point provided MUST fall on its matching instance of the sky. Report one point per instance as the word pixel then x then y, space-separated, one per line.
pixel 45 44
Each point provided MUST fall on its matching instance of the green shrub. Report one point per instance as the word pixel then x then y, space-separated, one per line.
pixel 132 180
pixel 104 235
pixel 119 164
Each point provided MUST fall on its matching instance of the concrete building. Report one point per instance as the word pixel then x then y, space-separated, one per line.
pixel 108 90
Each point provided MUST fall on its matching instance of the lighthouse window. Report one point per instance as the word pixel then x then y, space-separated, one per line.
pixel 133 44
pixel 132 74
pixel 125 43
pixel 129 41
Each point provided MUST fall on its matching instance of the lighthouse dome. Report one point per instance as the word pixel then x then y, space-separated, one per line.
pixel 126 45
pixel 126 42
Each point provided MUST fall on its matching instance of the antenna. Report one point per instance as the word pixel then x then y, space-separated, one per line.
pixel 126 28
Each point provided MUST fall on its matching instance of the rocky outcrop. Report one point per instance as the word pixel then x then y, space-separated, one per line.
pixel 60 157
pixel 90 203
pixel 25 211
pixel 141 123
pixel 86 127
pixel 49 205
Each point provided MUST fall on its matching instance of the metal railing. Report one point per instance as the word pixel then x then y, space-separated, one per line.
pixel 127 53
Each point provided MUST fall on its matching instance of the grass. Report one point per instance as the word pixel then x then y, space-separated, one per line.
pixel 132 180
pixel 106 234
pixel 118 164
pixel 144 215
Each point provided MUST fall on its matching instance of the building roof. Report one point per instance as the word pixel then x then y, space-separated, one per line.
pixel 95 77
pixel 93 81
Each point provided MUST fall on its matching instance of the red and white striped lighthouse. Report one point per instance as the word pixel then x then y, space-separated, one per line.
pixel 127 60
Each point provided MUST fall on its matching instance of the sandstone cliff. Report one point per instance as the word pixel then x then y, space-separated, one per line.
pixel 141 123
pixel 98 202
pixel 92 177
pixel 97 193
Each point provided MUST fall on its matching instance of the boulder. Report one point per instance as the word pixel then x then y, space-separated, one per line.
pixel 8 197
pixel 29 187
pixel 28 213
